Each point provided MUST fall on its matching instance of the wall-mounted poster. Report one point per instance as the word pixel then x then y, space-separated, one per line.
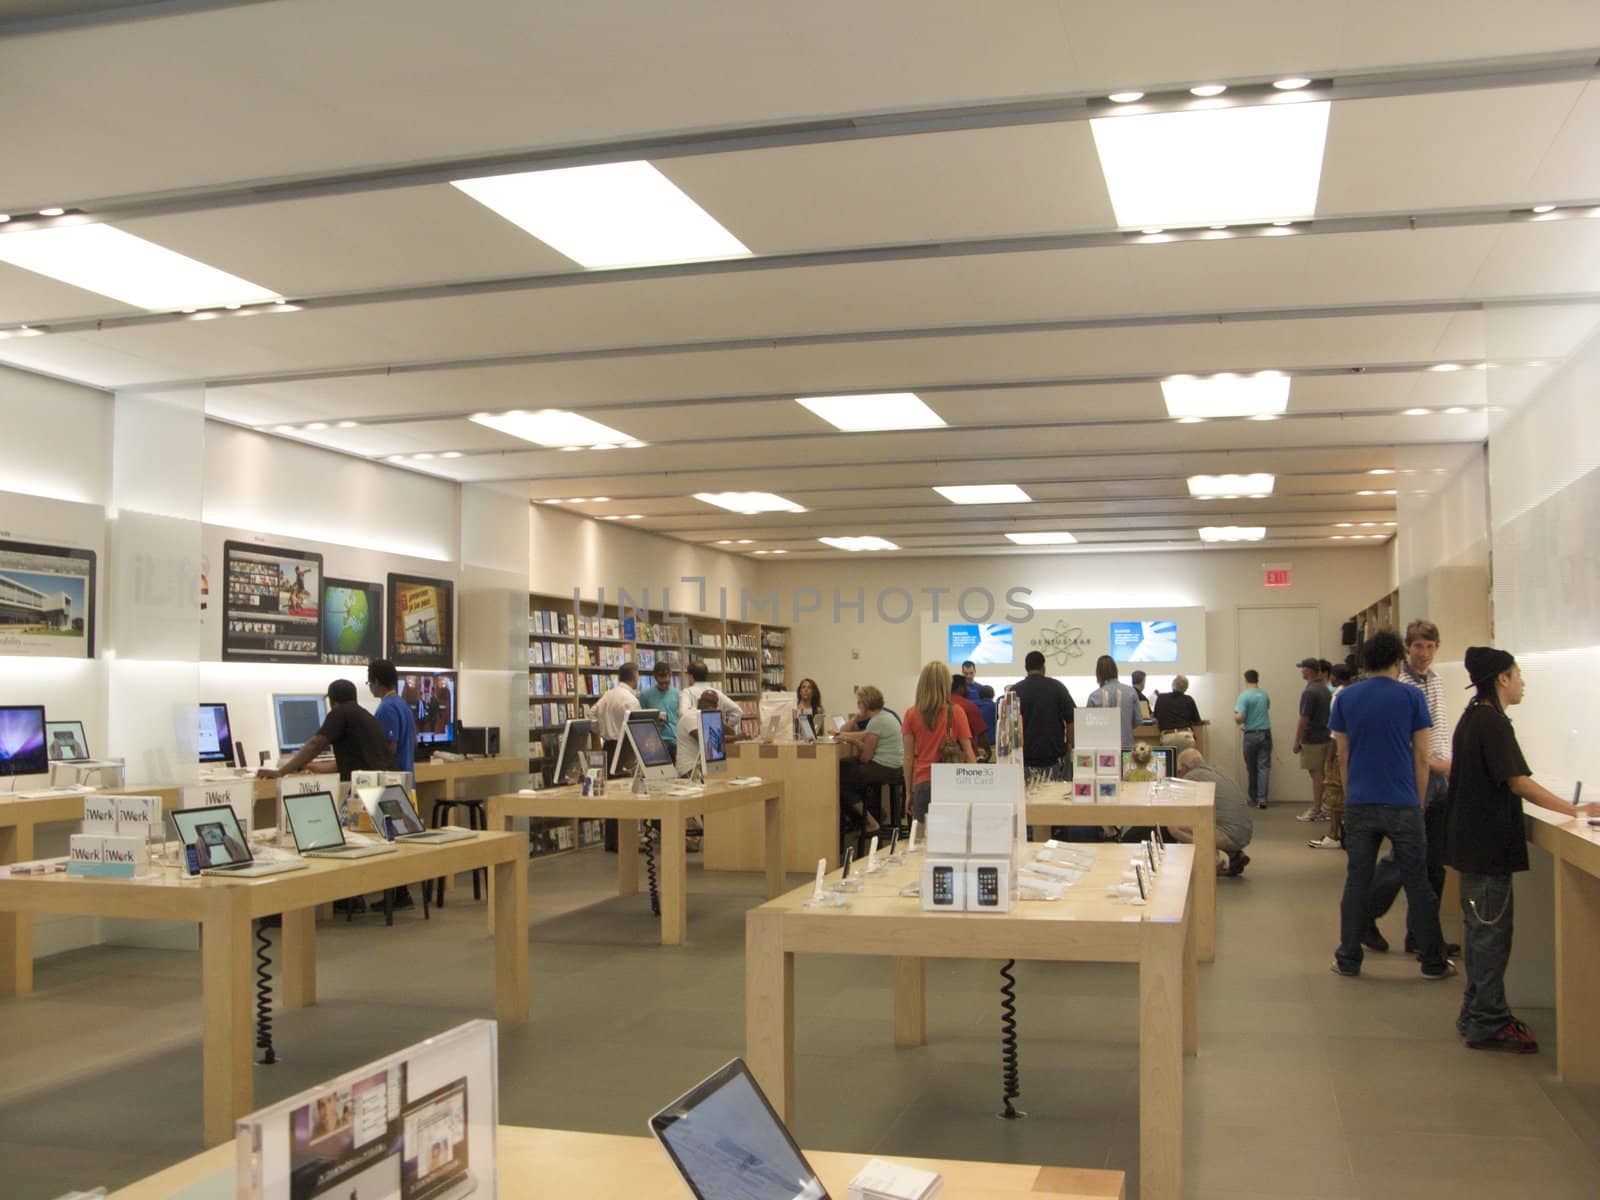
pixel 272 600
pixel 46 601
pixel 352 622
pixel 421 625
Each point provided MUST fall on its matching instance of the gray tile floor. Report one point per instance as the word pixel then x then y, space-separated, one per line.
pixel 1307 1085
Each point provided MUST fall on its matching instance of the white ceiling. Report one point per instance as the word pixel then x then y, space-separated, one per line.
pixel 422 307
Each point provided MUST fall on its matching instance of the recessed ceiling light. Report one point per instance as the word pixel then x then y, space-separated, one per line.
pixel 1343 525
pixel 633 445
pixel 99 258
pixel 1191 420
pixel 785 551
pixel 634 517
pixel 1153 230
pixel 1389 524
pixel 725 541
pixel 1231 485
pixel 1338 537
pixel 551 427
pixel 607 215
pixel 1381 471
pixel 1544 208
pixel 451 454
pixel 984 493
pixel 858 543
pixel 599 499
pixel 1417 412
pixel 1392 492
pixel 611 518
pixel 51 212
pixel 1125 97
pixel 1232 533
pixel 1058 538
pixel 347 424
pixel 744 541
pixel 283 429
pixel 4 217
pixel 749 503
pixel 317 425
pixel 887 410
pixel 1366 493
pixel 396 458
pixel 1368 524
pixel 1206 90
pixel 1265 417
pixel 1442 368
pixel 577 500
pixel 552 501
pixel 1229 165
pixel 1292 84
pixel 1456 410
pixel 423 457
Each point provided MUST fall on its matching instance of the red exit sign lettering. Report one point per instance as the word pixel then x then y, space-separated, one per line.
pixel 1277 575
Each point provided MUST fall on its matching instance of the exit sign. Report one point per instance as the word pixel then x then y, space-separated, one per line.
pixel 1277 575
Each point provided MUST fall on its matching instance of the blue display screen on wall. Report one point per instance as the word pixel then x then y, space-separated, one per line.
pixel 1144 641
pixel 979 644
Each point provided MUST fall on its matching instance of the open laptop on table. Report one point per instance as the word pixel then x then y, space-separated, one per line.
pixel 220 845
pixel 391 804
pixel 728 1144
pixel 314 822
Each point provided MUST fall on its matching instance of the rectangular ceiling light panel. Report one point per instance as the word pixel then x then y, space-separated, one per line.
pixel 985 493
pixel 112 263
pixel 1215 166
pixel 624 214
pixel 859 543
pixel 749 503
pixel 1231 485
pixel 889 410
pixel 1043 539
pixel 553 427
pixel 1265 393
pixel 1233 533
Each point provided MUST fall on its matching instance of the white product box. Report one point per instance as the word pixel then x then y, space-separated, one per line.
pixel 86 847
pixel 946 830
pixel 991 830
pixel 1108 762
pixel 1083 789
pixel 138 816
pixel 1083 762
pixel 988 885
pixel 1107 791
pixel 944 884
pixel 125 850
pixel 99 814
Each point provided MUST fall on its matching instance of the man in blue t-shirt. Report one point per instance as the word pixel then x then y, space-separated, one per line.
pixel 1380 728
pixel 1252 711
pixel 398 721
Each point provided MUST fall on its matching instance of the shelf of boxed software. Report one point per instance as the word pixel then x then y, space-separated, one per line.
pixel 558 835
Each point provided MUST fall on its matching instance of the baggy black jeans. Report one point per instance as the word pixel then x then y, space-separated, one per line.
pixel 1486 947
pixel 1365 827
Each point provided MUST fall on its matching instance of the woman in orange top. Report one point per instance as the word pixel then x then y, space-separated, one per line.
pixel 931 720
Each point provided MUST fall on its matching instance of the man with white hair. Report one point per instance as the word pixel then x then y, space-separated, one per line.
pixel 1234 824
pixel 1176 714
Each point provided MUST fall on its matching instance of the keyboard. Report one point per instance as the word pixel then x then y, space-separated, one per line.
pixel 349 851
pixel 55 793
pixel 438 835
pixel 276 866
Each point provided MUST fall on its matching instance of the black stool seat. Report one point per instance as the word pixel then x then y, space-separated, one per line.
pixel 477 818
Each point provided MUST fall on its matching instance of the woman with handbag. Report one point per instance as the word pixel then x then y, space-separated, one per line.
pixel 934 731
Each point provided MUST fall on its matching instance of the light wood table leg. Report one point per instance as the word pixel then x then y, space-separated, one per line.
pixel 910 1002
pixel 774 834
pixel 769 1010
pixel 674 885
pixel 510 942
pixel 16 929
pixel 297 947
pixel 1577 973
pixel 1161 1036
pixel 1191 984
pixel 627 858
pixel 1204 909
pixel 227 1089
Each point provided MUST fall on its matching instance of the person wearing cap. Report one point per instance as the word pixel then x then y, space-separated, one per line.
pixel 1486 840
pixel 1380 727
pixel 358 741
pixel 1312 739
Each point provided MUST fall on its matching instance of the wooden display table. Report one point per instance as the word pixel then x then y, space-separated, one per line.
pixel 809 772
pixel 1195 807
pixel 1575 846
pixel 1085 926
pixel 224 909
pixel 533 1164
pixel 18 817
pixel 672 811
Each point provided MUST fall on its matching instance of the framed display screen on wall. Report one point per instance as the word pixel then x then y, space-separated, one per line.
pixel 421 626
pixel 46 601
pixel 272 602
pixel 352 622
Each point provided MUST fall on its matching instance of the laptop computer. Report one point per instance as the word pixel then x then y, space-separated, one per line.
pixel 220 845
pixel 391 804
pixel 728 1144
pixel 314 822
pixel 434 1155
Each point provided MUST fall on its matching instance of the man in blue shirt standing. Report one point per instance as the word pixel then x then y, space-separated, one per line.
pixel 663 697
pixel 1252 712
pixel 1380 728
pixel 398 721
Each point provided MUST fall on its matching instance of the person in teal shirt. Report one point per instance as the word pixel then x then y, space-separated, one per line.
pixel 1252 711
pixel 663 697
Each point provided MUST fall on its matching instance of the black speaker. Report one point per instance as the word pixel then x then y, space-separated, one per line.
pixel 1347 634
pixel 482 741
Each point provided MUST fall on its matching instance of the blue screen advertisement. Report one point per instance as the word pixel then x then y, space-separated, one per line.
pixel 979 644
pixel 1144 641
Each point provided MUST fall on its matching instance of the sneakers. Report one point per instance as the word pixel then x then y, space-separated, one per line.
pixel 1237 862
pixel 1339 968
pixel 1313 815
pixel 1451 949
pixel 1373 939
pixel 1514 1037
pixel 1326 843
pixel 1448 971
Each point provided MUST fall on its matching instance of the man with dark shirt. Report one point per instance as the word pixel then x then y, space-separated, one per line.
pixel 1312 740
pixel 1047 709
pixel 359 742
pixel 1177 714
pixel 981 738
pixel 1486 840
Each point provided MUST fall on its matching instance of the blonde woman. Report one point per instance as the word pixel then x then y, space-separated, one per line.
pixel 932 721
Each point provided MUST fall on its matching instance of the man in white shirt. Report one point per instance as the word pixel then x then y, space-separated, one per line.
pixel 611 711
pixel 689 698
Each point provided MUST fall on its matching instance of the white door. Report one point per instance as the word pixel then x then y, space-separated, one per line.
pixel 1271 641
